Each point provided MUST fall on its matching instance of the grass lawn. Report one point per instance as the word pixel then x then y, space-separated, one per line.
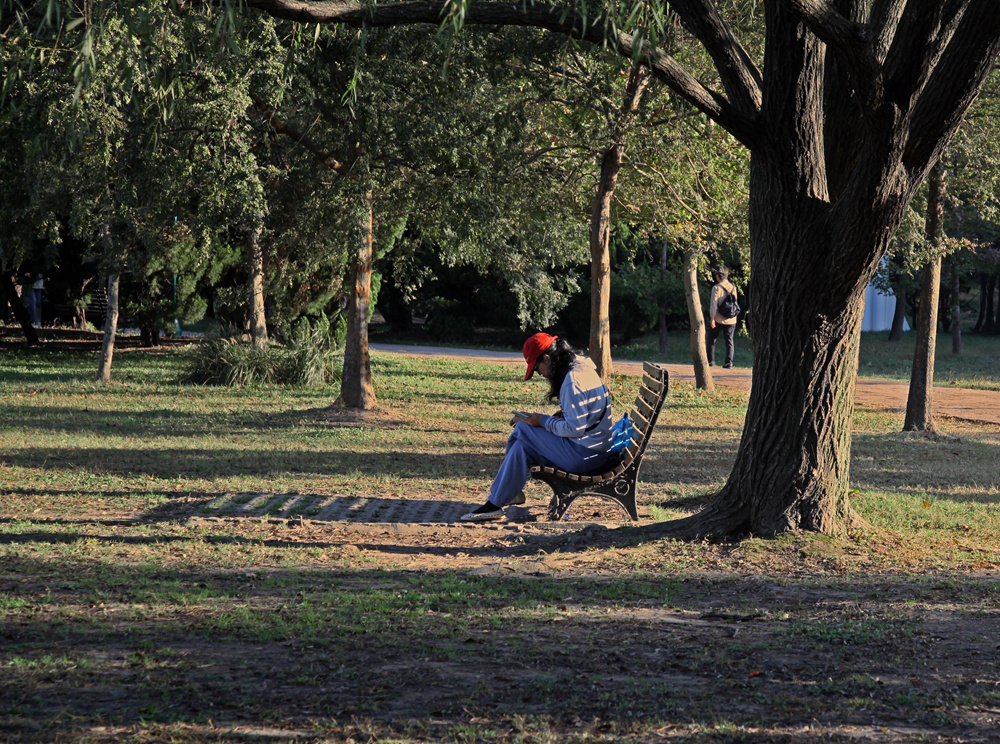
pixel 134 608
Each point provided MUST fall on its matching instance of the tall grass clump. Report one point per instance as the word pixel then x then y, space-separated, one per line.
pixel 309 357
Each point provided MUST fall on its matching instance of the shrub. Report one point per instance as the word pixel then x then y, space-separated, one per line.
pixel 310 358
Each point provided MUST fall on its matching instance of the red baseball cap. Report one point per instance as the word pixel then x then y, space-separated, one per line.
pixel 534 347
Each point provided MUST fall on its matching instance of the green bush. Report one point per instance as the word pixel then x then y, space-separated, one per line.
pixel 310 358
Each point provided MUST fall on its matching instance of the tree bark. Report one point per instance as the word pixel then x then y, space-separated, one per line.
pixel 600 227
pixel 17 307
pixel 356 390
pixel 703 377
pixel 110 327
pixel 600 263
pixel 956 310
pixel 258 320
pixel 919 401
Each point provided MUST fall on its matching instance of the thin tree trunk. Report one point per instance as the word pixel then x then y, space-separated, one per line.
pixel 110 327
pixel 699 356
pixel 995 319
pixel 258 321
pixel 14 300
pixel 919 402
pixel 899 313
pixel 600 263
pixel 664 338
pixel 600 228
pixel 989 324
pixel 356 390
pixel 981 316
pixel 956 311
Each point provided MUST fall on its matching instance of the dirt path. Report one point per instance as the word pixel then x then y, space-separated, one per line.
pixel 982 406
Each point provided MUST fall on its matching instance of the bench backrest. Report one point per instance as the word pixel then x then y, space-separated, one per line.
pixel 648 403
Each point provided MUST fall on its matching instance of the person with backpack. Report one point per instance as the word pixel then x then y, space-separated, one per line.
pixel 722 311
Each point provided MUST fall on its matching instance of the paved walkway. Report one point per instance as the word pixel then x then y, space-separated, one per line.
pixel 960 403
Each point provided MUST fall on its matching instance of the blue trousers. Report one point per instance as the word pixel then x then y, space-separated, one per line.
pixel 534 445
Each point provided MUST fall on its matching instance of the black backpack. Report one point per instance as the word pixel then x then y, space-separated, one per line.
pixel 729 307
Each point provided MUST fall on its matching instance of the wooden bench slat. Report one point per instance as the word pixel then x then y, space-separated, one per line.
pixel 652 383
pixel 640 423
pixel 641 406
pixel 653 370
pixel 649 396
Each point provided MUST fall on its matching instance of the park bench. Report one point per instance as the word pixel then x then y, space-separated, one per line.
pixel 619 483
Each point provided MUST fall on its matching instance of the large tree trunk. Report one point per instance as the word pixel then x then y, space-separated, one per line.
pixel 821 217
pixel 258 320
pixel 919 401
pixel 17 307
pixel 110 327
pixel 356 390
pixel 600 228
pixel 699 355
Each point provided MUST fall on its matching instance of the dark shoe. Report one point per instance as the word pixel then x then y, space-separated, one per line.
pixel 486 513
pixel 519 499
pixel 727 366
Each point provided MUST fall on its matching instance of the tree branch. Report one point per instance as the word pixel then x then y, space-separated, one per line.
pixel 740 77
pixel 953 83
pixel 300 138
pixel 921 36
pixel 740 120
pixel 852 43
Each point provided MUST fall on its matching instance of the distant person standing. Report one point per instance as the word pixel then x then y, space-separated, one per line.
pixel 722 311
pixel 37 290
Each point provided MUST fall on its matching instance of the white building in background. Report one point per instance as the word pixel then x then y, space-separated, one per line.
pixel 878 311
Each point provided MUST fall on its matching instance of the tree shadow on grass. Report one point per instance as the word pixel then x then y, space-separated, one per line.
pixel 147 647
pixel 165 462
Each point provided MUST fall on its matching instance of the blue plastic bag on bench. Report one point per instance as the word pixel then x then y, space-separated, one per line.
pixel 621 434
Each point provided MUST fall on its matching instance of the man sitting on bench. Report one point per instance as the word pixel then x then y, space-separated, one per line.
pixel 575 439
